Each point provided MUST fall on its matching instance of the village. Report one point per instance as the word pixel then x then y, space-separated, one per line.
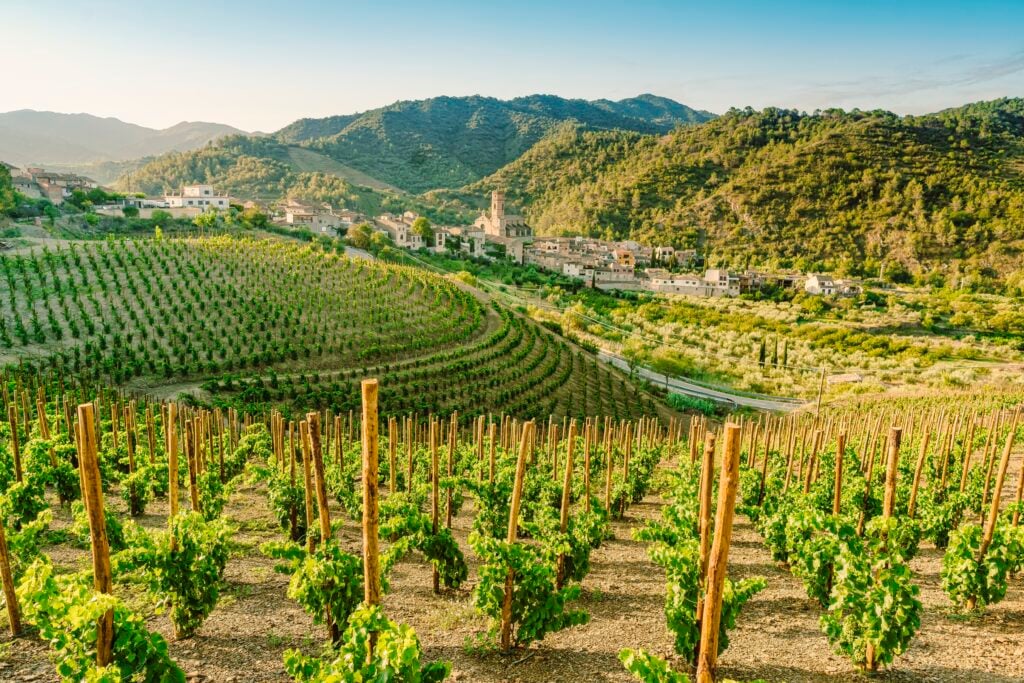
pixel 495 234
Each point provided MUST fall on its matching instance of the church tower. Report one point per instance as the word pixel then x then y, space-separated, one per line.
pixel 498 208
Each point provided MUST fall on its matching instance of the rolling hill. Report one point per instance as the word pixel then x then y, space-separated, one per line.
pixel 443 142
pixel 54 139
pixel 834 190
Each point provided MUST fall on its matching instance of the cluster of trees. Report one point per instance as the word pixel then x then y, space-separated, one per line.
pixel 7 199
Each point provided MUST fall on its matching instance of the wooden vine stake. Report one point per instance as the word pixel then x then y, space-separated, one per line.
pixel 316 449
pixel 10 597
pixel 566 495
pixel 12 418
pixel 307 482
pixel 435 496
pixel 888 510
pixel 392 455
pixel 837 490
pixel 918 469
pixel 707 658
pixel 102 578
pixel 513 530
pixel 707 478
pixel 171 435
pixel 371 552
pixel 993 515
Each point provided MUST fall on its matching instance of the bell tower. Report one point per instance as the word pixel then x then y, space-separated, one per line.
pixel 498 207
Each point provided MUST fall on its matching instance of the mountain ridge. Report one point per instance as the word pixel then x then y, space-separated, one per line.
pixel 419 145
pixel 29 136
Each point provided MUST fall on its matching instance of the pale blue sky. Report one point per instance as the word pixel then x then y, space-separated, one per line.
pixel 260 64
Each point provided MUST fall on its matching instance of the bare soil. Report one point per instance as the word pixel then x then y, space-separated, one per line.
pixel 777 639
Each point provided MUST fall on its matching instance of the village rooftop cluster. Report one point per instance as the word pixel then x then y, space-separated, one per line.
pixel 495 234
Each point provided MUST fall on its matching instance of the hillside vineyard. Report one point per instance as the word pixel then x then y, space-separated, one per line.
pixel 266 322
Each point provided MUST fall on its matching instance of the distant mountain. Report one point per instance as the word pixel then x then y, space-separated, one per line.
pixel 443 142
pixel 451 141
pixel 73 140
pixel 660 111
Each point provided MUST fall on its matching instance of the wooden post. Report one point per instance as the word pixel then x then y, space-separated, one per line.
pixel 718 561
pixel 307 484
pixel 821 390
pixel 588 430
pixel 888 509
pixel 993 516
pixel 513 530
pixel 313 419
pixel 891 471
pixel 12 418
pixel 409 438
pixel 10 597
pixel 566 495
pixel 102 578
pixel 490 447
pixel 435 495
pixel 192 455
pixel 171 437
pixel 837 493
pixel 922 454
pixel 151 434
pixel 968 451
pixel 371 554
pixel 392 453
pixel 609 465
pixel 707 478
pixel 453 426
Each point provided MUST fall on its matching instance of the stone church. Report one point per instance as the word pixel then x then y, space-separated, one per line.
pixel 498 224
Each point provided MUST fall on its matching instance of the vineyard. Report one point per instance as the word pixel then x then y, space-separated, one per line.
pixel 147 540
pixel 257 324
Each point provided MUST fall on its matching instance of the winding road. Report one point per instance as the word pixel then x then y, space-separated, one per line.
pixel 777 404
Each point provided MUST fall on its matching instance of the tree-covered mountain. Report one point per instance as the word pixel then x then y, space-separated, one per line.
pixel 448 142
pixel 833 190
pixel 262 168
pixel 451 141
pixel 50 138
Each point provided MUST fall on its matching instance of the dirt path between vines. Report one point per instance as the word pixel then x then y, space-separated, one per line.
pixel 777 639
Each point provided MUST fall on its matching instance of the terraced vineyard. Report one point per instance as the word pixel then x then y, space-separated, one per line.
pixel 264 323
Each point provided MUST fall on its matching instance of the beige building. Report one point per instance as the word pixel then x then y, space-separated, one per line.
pixel 399 228
pixel 500 224
pixel 320 219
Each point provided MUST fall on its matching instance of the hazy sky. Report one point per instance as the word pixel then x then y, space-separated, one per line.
pixel 259 64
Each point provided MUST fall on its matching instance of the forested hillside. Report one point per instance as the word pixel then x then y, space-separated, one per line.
pixel 846 191
pixel 443 142
pixel 262 169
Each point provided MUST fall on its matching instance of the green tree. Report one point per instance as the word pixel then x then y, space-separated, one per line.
pixel 207 219
pixel 7 199
pixel 360 236
pixel 421 226
pixel 254 219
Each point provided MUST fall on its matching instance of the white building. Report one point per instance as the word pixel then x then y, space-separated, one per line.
pixel 820 285
pixel 202 197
